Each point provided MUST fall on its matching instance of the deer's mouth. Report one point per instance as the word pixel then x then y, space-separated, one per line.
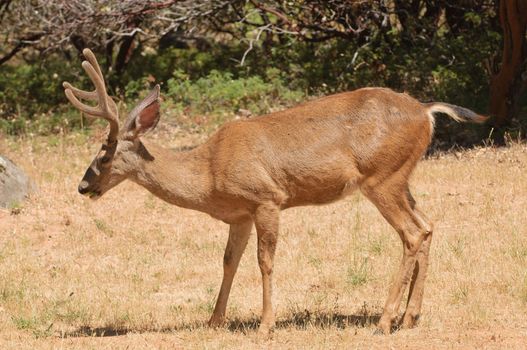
pixel 94 194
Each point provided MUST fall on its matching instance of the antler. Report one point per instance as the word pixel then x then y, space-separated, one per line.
pixel 106 107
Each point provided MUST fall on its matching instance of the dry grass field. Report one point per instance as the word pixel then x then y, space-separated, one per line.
pixel 130 271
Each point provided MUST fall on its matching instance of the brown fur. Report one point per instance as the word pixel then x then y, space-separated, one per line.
pixel 316 153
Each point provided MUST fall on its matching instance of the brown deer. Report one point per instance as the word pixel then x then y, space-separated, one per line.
pixel 248 171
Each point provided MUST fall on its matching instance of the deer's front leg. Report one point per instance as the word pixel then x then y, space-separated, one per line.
pixel 267 218
pixel 238 237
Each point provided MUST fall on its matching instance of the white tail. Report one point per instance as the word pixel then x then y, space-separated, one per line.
pixel 457 113
pixel 248 171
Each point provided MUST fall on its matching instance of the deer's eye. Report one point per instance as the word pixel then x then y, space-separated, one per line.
pixel 105 160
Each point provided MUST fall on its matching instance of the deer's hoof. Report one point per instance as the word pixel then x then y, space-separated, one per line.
pixel 264 332
pixel 216 321
pixel 409 321
pixel 384 327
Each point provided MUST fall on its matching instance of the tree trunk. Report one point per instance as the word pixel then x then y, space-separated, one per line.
pixel 124 54
pixel 508 83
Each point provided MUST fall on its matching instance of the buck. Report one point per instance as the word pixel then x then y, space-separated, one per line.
pixel 248 171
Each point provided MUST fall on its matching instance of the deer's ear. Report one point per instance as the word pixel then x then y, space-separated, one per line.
pixel 145 116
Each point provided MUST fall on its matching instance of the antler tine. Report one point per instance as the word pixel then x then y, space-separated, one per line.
pixel 87 95
pixel 106 107
pixel 99 94
pixel 100 88
pixel 90 95
pixel 93 60
pixel 94 111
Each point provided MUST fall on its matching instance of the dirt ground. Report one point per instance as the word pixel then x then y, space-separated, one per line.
pixel 131 272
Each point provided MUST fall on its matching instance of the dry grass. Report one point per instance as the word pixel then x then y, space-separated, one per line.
pixel 145 274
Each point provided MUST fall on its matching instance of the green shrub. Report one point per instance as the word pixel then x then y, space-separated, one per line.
pixel 204 80
pixel 219 92
pixel 32 97
pixel 33 88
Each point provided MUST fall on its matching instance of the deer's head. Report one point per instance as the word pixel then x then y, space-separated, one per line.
pixel 120 154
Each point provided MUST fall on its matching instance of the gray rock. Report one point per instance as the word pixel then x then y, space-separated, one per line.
pixel 15 185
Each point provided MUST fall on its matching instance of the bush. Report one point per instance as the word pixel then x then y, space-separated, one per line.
pixel 32 97
pixel 206 82
pixel 219 92
pixel 33 88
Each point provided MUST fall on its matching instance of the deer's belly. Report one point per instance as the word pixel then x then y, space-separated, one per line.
pixel 321 193
pixel 230 213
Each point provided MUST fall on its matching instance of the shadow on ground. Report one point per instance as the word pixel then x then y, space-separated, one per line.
pixel 299 320
pixel 304 319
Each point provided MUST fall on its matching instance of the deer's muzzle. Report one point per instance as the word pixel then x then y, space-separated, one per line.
pixel 84 187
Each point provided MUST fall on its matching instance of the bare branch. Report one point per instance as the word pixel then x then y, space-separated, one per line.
pixel 251 42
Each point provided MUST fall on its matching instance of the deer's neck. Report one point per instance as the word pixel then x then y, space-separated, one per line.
pixel 180 178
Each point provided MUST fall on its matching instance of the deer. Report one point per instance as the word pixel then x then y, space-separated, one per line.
pixel 248 171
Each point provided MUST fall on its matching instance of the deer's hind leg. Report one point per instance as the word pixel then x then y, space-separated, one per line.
pixel 389 196
pixel 415 294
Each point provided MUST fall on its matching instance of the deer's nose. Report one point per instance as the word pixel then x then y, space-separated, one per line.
pixel 83 187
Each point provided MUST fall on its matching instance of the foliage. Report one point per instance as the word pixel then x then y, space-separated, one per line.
pixel 258 57
pixel 30 94
pixel 219 92
pixel 33 83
